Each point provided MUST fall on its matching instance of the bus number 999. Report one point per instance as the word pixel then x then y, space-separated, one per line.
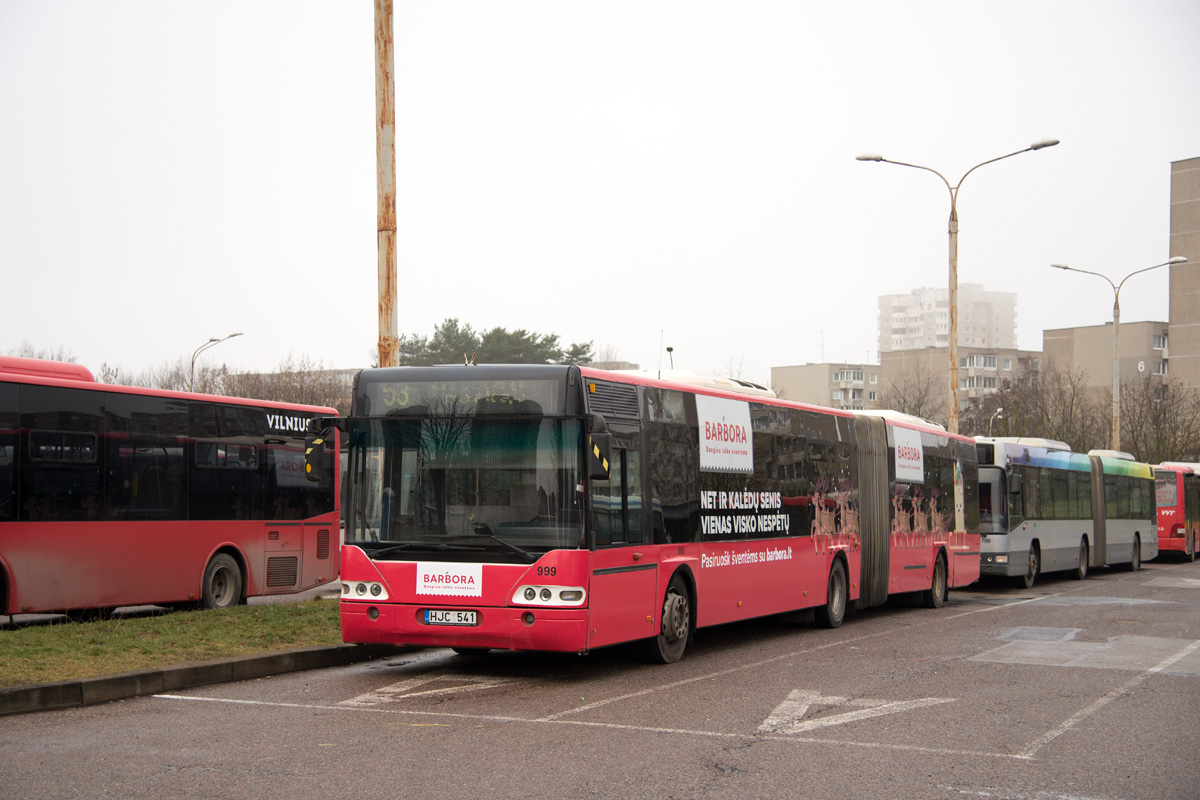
pixel 547 571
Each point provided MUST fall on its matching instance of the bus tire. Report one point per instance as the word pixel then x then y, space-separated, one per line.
pixel 833 612
pixel 935 595
pixel 676 626
pixel 1135 557
pixel 1081 571
pixel 1032 569
pixel 222 583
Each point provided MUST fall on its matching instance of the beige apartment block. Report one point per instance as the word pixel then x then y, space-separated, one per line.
pixel 1089 350
pixel 1184 309
pixel 846 386
pixel 921 319
pixel 981 371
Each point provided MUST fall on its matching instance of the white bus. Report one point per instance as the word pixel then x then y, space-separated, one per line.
pixel 1043 508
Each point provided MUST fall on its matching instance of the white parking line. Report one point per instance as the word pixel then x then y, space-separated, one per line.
pixel 1053 734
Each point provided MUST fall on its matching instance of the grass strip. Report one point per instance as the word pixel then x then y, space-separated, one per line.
pixel 74 650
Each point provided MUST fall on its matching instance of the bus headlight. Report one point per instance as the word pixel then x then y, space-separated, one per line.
pixel 549 596
pixel 364 590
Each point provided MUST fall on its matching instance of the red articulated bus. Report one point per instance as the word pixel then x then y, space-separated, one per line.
pixel 1177 493
pixel 561 508
pixel 117 496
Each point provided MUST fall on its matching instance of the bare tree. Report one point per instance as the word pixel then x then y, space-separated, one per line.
pixel 294 381
pixel 27 350
pixel 1049 403
pixel 1160 420
pixel 916 392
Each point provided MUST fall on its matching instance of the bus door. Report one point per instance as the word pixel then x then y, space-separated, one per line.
pixel 624 590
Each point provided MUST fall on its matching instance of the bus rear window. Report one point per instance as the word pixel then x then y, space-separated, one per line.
pixel 1165 493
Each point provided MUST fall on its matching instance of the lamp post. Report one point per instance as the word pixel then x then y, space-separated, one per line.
pixel 213 342
pixel 999 412
pixel 953 230
pixel 1116 370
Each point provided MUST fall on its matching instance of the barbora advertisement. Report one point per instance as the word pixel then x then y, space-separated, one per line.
pixel 455 580
pixel 726 441
pixel 749 514
pixel 910 456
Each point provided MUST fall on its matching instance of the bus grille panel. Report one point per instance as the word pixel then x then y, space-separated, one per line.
pixel 613 400
pixel 283 570
pixel 323 544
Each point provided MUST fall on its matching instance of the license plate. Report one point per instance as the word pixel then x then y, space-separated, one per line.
pixel 439 617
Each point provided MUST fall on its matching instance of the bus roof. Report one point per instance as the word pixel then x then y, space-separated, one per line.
pixel 696 379
pixel 1186 467
pixel 1026 441
pixel 41 368
pixel 74 376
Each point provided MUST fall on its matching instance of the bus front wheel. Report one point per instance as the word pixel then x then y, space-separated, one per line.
pixel 1031 569
pixel 833 612
pixel 222 582
pixel 675 631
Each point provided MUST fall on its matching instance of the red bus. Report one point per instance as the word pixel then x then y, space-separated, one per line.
pixel 1177 493
pixel 565 509
pixel 117 496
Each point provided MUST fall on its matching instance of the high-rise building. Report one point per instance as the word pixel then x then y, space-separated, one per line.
pixel 1184 308
pixel 921 319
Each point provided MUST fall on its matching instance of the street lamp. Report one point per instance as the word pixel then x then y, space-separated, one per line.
pixel 999 412
pixel 953 230
pixel 1116 370
pixel 213 342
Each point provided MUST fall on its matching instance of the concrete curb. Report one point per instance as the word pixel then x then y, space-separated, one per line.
pixel 104 689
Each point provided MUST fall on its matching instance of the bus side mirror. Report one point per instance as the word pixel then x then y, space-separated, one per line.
pixel 314 455
pixel 1015 481
pixel 599 456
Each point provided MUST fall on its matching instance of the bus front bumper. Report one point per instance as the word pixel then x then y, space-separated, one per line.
pixel 558 630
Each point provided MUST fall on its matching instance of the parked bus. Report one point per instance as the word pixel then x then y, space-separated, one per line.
pixel 116 496
pixel 565 509
pixel 1177 494
pixel 1043 508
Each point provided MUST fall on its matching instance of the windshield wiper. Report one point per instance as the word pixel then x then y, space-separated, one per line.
pixel 415 545
pixel 484 531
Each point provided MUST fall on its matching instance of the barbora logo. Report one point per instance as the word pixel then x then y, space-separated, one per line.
pixel 454 580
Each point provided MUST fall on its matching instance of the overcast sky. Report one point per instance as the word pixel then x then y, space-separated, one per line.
pixel 635 174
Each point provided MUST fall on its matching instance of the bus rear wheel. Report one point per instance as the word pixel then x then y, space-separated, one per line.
pixel 1135 558
pixel 1031 569
pixel 222 582
pixel 676 628
pixel 935 595
pixel 833 612
pixel 1082 570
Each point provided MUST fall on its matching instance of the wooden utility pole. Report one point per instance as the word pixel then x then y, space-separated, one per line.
pixel 385 167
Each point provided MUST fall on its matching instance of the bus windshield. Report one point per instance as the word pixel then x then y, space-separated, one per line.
pixel 464 488
pixel 993 501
